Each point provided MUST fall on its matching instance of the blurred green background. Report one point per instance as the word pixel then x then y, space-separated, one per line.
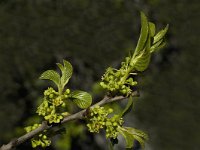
pixel 92 35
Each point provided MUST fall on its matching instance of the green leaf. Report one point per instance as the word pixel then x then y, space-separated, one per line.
pixel 148 43
pixel 66 71
pixel 157 46
pixel 69 69
pixel 137 132
pixel 152 29
pixel 138 135
pixel 160 46
pixel 61 67
pixel 160 34
pixel 143 35
pixel 128 107
pixel 81 99
pixel 131 134
pixel 51 75
pixel 127 136
pixel 141 62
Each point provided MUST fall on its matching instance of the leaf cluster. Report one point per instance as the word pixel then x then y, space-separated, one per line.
pixel 121 81
pixel 54 102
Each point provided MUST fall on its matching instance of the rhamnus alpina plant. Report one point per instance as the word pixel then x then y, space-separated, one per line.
pixel 118 82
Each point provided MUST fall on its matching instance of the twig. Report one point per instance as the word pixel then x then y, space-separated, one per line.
pixel 79 115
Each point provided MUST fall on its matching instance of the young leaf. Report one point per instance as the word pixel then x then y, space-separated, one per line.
pixel 152 29
pixel 160 46
pixel 143 35
pixel 61 67
pixel 139 135
pixel 81 99
pixel 131 134
pixel 128 137
pixel 66 70
pixel 51 75
pixel 160 34
pixel 148 43
pixel 141 61
pixel 155 46
pixel 128 107
pixel 69 69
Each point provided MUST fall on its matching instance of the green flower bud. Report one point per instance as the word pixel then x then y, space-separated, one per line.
pixel 110 110
pixel 115 124
pixel 51 96
pixel 63 104
pixel 116 86
pixel 118 74
pixel 44 137
pixel 67 91
pixel 102 84
pixel 34 144
pixel 124 91
pixel 108 123
pixel 127 59
pixel 134 83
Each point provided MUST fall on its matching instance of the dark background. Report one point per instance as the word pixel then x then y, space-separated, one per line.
pixel 92 35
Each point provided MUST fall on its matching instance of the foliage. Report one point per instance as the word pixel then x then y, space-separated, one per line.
pixel 54 101
pixel 120 80
pixel 116 82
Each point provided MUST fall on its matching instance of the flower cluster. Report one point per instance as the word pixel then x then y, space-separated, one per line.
pixel 112 125
pixel 40 140
pixel 50 105
pixel 118 80
pixel 98 119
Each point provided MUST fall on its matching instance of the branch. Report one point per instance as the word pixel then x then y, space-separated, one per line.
pixel 79 115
